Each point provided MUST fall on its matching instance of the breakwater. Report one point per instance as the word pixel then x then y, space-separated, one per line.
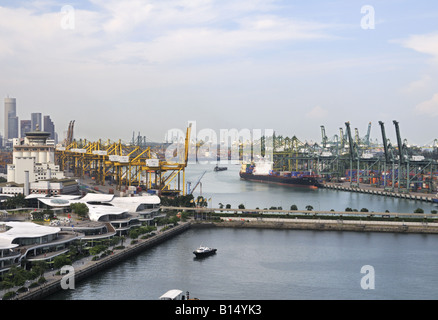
pixel 322 225
pixel 93 267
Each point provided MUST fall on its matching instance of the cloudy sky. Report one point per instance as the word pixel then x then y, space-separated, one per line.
pixel 118 67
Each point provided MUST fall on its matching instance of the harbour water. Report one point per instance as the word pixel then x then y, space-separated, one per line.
pixel 276 264
pixel 225 187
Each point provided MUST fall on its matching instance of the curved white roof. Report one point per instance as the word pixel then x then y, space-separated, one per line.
pixel 55 202
pixel 110 204
pixel 95 212
pixel 97 197
pixel 23 230
pixel 131 203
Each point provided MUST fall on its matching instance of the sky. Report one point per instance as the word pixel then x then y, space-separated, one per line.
pixel 123 67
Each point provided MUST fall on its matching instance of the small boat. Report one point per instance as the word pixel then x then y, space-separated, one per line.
pixel 217 168
pixel 176 294
pixel 204 251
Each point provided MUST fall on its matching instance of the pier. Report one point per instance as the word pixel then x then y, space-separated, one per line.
pixel 381 192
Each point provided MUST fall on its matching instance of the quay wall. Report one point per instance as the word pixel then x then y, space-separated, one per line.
pixel 379 191
pixel 99 265
pixel 325 225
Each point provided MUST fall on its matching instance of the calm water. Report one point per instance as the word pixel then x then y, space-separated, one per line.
pixel 226 187
pixel 276 264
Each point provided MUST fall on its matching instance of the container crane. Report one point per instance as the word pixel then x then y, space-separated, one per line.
pixel 385 142
pixel 367 137
pixel 353 153
pixel 196 185
pixel 69 138
pixel 350 140
pixel 388 157
pixel 324 137
pixel 399 142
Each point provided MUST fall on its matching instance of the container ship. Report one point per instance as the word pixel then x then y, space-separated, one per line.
pixel 262 172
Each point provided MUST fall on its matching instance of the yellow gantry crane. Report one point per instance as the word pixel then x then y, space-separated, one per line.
pixel 124 165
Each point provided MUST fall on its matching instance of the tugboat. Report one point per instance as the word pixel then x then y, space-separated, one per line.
pixel 217 168
pixel 204 251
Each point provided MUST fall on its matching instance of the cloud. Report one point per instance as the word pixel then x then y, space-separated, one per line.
pixel 429 107
pixel 419 85
pixel 134 31
pixel 423 43
pixel 317 112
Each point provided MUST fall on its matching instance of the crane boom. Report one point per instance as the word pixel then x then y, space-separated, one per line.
pixel 324 137
pixel 399 141
pixel 385 142
pixel 197 182
pixel 367 137
pixel 350 140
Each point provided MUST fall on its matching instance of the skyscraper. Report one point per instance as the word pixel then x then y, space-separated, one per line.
pixel 25 126
pixel 49 126
pixel 35 119
pixel 11 119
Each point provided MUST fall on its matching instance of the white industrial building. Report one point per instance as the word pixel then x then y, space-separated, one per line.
pixel 34 155
pixel 33 167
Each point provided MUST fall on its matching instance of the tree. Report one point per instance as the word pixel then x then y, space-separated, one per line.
pixel 80 209
pixel 17 201
pixel 241 206
pixel 39 267
pixel 201 201
pixel 309 208
pixel 293 207
pixel 419 210
pixel 60 261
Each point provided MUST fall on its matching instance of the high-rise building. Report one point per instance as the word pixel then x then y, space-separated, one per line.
pixel 11 119
pixel 35 119
pixel 49 126
pixel 25 126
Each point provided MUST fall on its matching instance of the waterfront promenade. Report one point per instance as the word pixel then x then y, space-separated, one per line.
pixel 86 267
pixel 318 220
pixel 334 222
pixel 333 214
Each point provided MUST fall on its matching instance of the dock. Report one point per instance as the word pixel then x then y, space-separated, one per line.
pixel 417 196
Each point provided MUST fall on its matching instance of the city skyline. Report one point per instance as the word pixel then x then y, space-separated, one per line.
pixel 150 66
pixel 16 128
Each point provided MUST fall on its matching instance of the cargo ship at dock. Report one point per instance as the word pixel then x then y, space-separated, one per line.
pixel 262 172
